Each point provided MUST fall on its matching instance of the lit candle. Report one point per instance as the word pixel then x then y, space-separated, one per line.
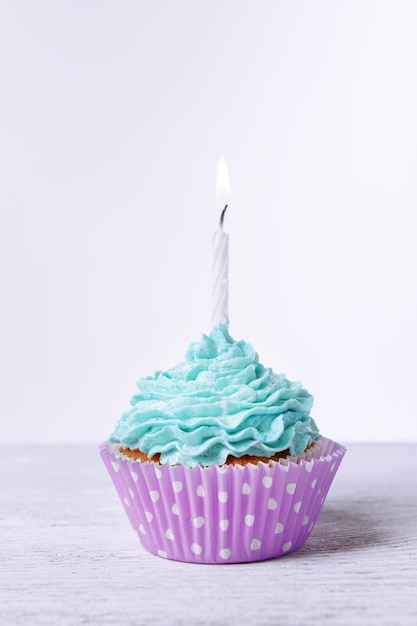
pixel 220 312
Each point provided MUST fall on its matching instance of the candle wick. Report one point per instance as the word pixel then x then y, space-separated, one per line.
pixel 222 217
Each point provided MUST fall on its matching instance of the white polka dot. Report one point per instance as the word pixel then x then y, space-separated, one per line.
pixel 224 524
pixel 249 520
pixel 310 528
pixel 225 553
pixel 272 504
pixel 332 467
pixel 245 489
pixel 291 488
pixel 149 516
pixel 126 501
pixel 223 495
pixel 198 522
pixel 175 509
pixel 286 546
pixel 131 493
pixel 305 520
pixel 169 535
pixel 255 544
pixel 222 469
pixel 158 472
pixel 322 500
pixel 309 466
pixel 200 491
pixel 196 548
pixel 267 481
pixel 314 483
pixel 297 507
pixel 279 528
pixel 319 491
pixel 142 530
pixel 177 484
pixel 162 553
pixel 154 495
pixel 134 476
pixel 116 466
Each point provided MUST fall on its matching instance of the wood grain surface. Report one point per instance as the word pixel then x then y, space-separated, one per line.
pixel 68 555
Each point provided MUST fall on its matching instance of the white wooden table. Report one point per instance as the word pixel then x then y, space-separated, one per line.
pixel 69 556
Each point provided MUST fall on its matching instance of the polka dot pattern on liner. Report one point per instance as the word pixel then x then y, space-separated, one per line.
pixel 230 514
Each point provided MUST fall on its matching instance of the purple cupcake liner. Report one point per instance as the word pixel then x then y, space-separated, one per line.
pixel 226 514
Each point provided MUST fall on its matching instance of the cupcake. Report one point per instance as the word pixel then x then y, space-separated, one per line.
pixel 218 459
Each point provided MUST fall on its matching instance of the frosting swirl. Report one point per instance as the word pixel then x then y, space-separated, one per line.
pixel 220 401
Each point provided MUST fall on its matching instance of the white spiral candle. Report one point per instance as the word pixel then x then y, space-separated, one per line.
pixel 220 300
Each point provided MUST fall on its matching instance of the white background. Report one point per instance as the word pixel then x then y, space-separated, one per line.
pixel 112 117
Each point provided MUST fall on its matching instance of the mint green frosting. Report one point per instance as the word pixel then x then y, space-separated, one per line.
pixel 220 401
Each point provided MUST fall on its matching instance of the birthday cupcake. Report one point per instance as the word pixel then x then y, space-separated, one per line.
pixel 218 459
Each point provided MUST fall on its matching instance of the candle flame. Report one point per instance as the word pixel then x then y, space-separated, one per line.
pixel 223 184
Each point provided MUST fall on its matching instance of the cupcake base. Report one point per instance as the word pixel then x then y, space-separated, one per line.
pixel 226 514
